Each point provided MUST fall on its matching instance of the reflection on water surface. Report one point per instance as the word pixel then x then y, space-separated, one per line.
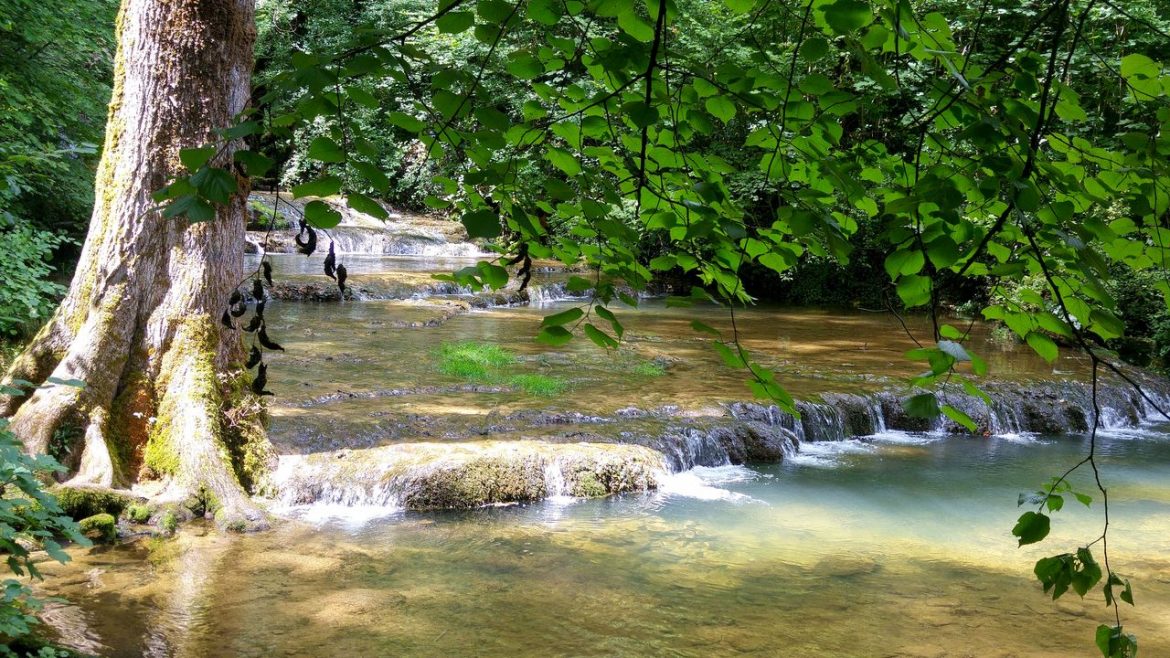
pixel 874 548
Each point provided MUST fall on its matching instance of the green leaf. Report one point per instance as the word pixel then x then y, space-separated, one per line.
pixel 325 186
pixel 599 337
pixel 1042 345
pixel 554 336
pixel 482 223
pixel 324 149
pixel 492 275
pixel 524 65
pixel 721 108
pixel 729 355
pixel 923 405
pixel 192 207
pixel 914 290
pixel 194 158
pixel 545 12
pixel 633 25
pixel 319 214
pixel 406 122
pixel 640 113
pixel 904 262
pixel 455 22
pixel 814 48
pixel 373 175
pixel 705 328
pixel 845 16
pixel 254 164
pixel 562 318
pixel 1032 527
pixel 214 184
pixel 365 204
pixel 959 417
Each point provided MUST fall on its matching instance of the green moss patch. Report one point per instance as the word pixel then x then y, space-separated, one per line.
pixel 100 528
pixel 481 362
pixel 470 360
pixel 84 502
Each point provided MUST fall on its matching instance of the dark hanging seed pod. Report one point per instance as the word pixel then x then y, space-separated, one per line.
pixel 330 262
pixel 254 324
pixel 341 275
pixel 226 319
pixel 260 309
pixel 239 309
pixel 266 342
pixel 257 290
pixel 266 267
pixel 525 273
pixel 309 244
pixel 261 381
pixel 254 358
pixel 236 298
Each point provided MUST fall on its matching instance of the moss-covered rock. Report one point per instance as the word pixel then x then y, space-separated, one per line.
pixel 83 502
pixel 101 528
pixel 137 513
pixel 467 475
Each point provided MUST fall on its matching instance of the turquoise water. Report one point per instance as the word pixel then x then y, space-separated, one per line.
pixel 897 546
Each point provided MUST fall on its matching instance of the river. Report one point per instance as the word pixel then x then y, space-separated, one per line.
pixel 882 542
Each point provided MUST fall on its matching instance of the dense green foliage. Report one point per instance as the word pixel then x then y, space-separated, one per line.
pixel 29 294
pixel 29 517
pixel 55 70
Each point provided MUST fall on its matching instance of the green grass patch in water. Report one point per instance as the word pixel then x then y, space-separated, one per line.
pixel 469 360
pixel 487 363
pixel 539 384
pixel 648 369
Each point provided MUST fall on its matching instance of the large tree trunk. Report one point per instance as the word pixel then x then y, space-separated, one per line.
pixel 140 324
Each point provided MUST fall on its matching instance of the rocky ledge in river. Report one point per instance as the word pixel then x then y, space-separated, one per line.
pixel 426 476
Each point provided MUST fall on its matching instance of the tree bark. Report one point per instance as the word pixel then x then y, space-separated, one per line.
pixel 140 323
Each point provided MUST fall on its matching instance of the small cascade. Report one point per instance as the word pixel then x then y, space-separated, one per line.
pixel 554 480
pixel 549 292
pixel 691 447
pixel 1049 408
pixel 820 422
pixel 425 476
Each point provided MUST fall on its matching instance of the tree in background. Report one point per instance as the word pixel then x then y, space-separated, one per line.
pixel 55 67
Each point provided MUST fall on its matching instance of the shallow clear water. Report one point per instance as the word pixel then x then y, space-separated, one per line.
pixel 898 546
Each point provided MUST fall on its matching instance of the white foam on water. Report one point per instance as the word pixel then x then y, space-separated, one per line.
pixel 898 437
pixel 700 483
pixel 1131 433
pixel 827 454
pixel 350 516
pixel 1018 437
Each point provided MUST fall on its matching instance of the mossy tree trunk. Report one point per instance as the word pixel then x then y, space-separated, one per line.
pixel 140 324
